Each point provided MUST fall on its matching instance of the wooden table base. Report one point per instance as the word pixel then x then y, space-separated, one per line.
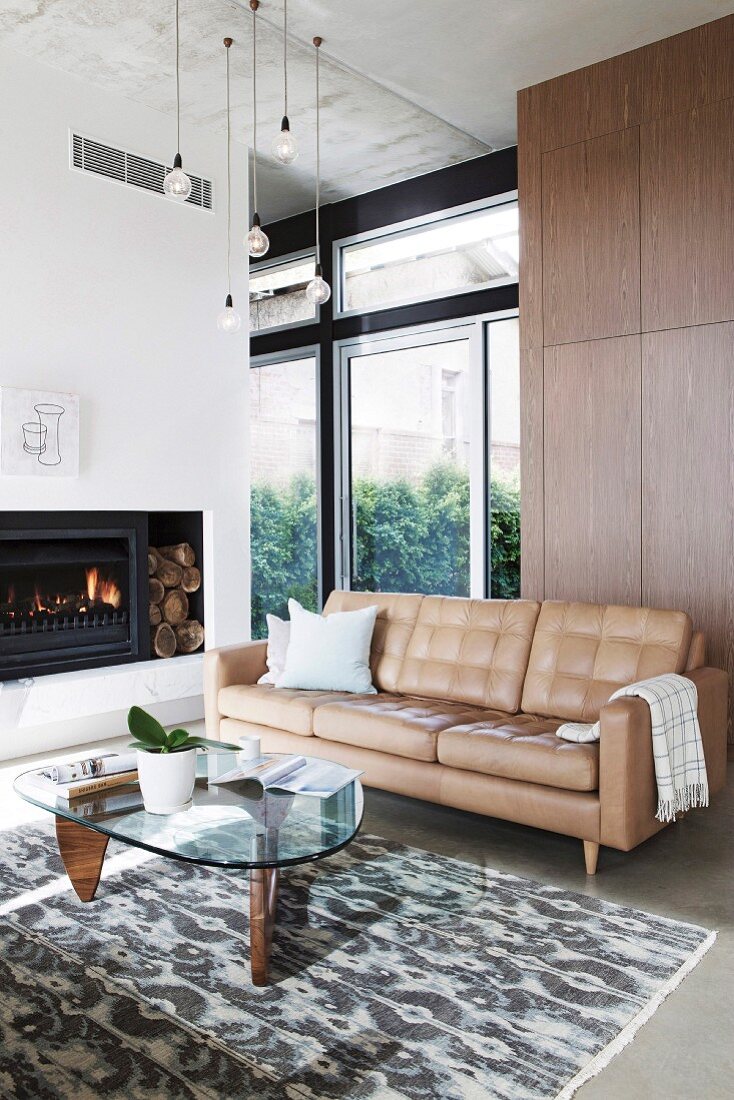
pixel 263 903
pixel 82 852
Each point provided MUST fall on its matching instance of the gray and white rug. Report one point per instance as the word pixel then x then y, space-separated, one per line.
pixel 396 973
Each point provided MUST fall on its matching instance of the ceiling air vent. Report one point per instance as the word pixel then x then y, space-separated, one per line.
pixel 117 164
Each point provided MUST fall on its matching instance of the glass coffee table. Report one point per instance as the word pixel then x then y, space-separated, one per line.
pixel 234 825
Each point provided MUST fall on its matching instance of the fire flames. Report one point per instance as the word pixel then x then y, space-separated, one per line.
pixel 100 592
pixel 98 588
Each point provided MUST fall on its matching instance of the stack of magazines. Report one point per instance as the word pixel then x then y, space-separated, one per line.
pixel 87 777
pixel 295 774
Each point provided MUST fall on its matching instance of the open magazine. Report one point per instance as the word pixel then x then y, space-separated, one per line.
pixel 295 774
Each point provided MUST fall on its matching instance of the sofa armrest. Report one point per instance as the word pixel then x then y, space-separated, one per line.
pixel 712 685
pixel 627 785
pixel 234 664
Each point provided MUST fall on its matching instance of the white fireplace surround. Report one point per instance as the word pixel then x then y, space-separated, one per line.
pixel 112 293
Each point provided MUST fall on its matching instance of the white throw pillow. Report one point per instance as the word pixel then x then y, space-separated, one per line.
pixel 279 633
pixel 329 652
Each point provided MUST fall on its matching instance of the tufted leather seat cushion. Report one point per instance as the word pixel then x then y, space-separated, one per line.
pixel 470 651
pixel 583 652
pixel 280 708
pixel 392 723
pixel 524 747
pixel 396 619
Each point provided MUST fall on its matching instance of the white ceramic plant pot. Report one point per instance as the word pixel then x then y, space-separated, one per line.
pixel 167 780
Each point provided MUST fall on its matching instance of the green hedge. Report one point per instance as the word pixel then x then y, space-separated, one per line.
pixel 410 538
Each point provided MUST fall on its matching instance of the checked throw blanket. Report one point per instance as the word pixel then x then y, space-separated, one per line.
pixel 680 769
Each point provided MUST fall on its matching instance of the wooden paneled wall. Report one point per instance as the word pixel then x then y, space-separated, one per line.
pixel 626 182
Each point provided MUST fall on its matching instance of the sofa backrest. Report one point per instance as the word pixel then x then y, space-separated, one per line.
pixel 582 653
pixel 396 619
pixel 470 651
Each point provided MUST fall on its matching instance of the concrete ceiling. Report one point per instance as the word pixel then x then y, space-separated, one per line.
pixel 407 87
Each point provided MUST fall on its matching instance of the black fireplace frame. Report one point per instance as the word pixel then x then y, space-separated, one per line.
pixel 132 526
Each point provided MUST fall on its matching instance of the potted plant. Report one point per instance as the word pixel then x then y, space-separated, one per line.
pixel 166 762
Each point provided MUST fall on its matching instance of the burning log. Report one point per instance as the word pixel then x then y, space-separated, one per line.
pixel 175 606
pixel 163 640
pixel 169 573
pixel 189 636
pixel 155 615
pixel 181 553
pixel 156 591
pixel 190 579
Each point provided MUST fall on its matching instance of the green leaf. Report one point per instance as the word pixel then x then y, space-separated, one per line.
pixel 176 738
pixel 145 727
pixel 207 743
pixel 142 747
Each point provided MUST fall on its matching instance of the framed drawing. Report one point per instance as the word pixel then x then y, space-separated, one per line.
pixel 39 433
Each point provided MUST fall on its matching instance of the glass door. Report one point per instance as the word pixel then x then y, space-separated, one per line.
pixel 412 493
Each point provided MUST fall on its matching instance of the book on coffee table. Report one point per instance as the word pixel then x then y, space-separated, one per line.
pixel 87 777
pixel 294 774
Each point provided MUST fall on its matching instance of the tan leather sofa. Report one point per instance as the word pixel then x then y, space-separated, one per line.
pixel 470 694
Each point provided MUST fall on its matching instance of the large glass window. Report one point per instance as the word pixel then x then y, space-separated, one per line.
pixel 458 253
pixel 503 361
pixel 278 294
pixel 410 408
pixel 283 487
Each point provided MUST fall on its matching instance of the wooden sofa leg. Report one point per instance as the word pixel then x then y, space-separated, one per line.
pixel 591 855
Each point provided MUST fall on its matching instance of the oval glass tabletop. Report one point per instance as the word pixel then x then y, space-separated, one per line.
pixel 228 825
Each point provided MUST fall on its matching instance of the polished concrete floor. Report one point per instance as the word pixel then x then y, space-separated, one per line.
pixel 687 872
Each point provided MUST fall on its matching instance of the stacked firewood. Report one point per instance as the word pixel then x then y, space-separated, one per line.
pixel 172 576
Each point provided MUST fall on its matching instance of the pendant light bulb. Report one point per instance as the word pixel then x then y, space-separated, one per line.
pixel 285 149
pixel 256 242
pixel 229 320
pixel 318 290
pixel 177 185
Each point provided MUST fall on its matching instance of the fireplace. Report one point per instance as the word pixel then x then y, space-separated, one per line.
pixel 72 591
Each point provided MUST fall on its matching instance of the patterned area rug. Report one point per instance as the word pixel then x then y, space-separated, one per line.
pixel 396 973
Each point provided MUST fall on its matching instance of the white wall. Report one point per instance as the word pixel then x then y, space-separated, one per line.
pixel 112 293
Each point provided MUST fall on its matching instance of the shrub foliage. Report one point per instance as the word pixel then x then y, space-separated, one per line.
pixel 410 538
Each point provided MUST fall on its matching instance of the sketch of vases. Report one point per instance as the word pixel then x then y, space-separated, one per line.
pixel 48 418
pixel 34 437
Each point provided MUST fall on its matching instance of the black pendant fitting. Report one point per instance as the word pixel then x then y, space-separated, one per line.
pixel 285 124
pixel 228 302
pixel 177 162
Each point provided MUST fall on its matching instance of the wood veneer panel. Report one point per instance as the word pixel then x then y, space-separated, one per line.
pixel 687 218
pixel 592 471
pixel 532 561
pixel 530 198
pixel 688 70
pixel 591 239
pixel 592 101
pixel 688 481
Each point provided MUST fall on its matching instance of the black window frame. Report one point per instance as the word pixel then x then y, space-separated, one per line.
pixel 483 178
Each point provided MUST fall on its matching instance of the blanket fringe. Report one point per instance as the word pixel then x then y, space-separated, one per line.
pixel 628 1033
pixel 687 798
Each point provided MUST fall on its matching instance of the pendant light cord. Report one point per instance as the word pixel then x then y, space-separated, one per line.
pixel 318 160
pixel 254 109
pixel 229 188
pixel 178 91
pixel 285 58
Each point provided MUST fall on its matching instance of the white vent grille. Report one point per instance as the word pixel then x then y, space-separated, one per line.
pixel 117 164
